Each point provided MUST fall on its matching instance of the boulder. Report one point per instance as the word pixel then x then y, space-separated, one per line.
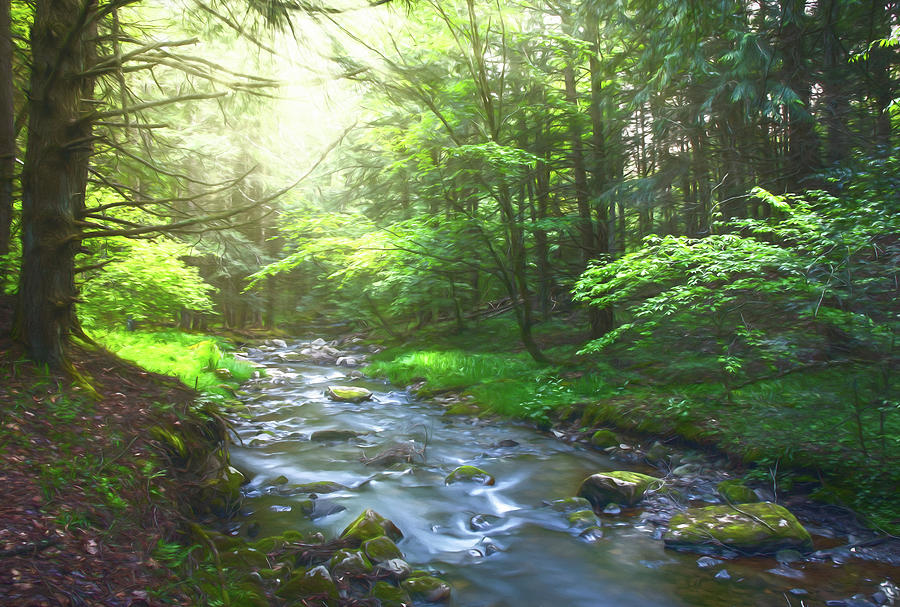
pixel 583 519
pixel 349 563
pixel 657 452
pixel 762 528
pixel 620 487
pixel 314 487
pixel 348 394
pixel 427 588
pixel 381 548
pixel 604 438
pixel 570 504
pixel 369 525
pixel 736 492
pixel 469 474
pixel 397 569
pixel 313 582
pixel 390 596
pixel 328 435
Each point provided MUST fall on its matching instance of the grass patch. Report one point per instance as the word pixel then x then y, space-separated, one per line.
pixel 200 361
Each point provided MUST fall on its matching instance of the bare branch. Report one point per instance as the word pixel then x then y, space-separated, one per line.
pixel 159 102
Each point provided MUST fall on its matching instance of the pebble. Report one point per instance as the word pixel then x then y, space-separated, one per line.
pixel 705 562
pixel 723 575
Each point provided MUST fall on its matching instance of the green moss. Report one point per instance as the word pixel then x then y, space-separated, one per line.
pixel 348 394
pixel 427 588
pixel 349 562
pixel 735 492
pixel 313 582
pixel 370 525
pixel 620 487
pixel 570 504
pixel 469 474
pixel 762 528
pixel 391 596
pixel 380 549
pixel 583 519
pixel 604 438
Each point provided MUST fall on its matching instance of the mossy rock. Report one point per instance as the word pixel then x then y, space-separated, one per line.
pixel 620 487
pixel 313 582
pixel 583 519
pixel 604 438
pixel 469 474
pixel 658 452
pixel 391 596
pixel 396 569
pixel 380 549
pixel 336 435
pixel 348 394
pixel 736 492
pixel 349 562
pixel 370 525
pixel 315 487
pixel 762 528
pixel 244 558
pixel 570 504
pixel 470 409
pixel 427 588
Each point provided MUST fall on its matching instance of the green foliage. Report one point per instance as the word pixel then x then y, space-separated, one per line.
pixel 193 358
pixel 145 281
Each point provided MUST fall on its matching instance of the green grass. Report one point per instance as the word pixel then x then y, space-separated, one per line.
pixel 193 358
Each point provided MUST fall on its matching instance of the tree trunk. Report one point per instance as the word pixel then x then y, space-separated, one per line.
pixel 7 127
pixel 601 319
pixel 802 141
pixel 54 178
pixel 834 96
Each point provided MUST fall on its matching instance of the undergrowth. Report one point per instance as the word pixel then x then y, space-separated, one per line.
pixel 200 361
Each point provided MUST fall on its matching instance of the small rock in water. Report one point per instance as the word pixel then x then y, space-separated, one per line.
pixel 723 575
pixel 785 571
pixel 480 522
pixel 318 343
pixel 705 562
pixel 612 509
pixel 396 568
pixel 349 394
pixel 505 443
pixel 328 435
pixel 490 548
pixel 798 591
pixel 469 474
pixel 788 556
pixel 592 534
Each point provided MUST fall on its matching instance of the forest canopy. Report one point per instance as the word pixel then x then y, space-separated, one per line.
pixel 634 164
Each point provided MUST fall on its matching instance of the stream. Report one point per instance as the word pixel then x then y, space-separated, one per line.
pixel 499 545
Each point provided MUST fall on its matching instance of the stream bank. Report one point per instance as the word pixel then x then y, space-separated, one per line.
pixel 498 544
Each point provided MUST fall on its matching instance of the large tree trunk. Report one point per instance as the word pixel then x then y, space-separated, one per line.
pixel 7 127
pixel 601 318
pixel 54 177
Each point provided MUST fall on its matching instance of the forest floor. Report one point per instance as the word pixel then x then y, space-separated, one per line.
pixel 85 502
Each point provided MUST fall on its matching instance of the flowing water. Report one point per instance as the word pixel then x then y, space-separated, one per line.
pixel 519 553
